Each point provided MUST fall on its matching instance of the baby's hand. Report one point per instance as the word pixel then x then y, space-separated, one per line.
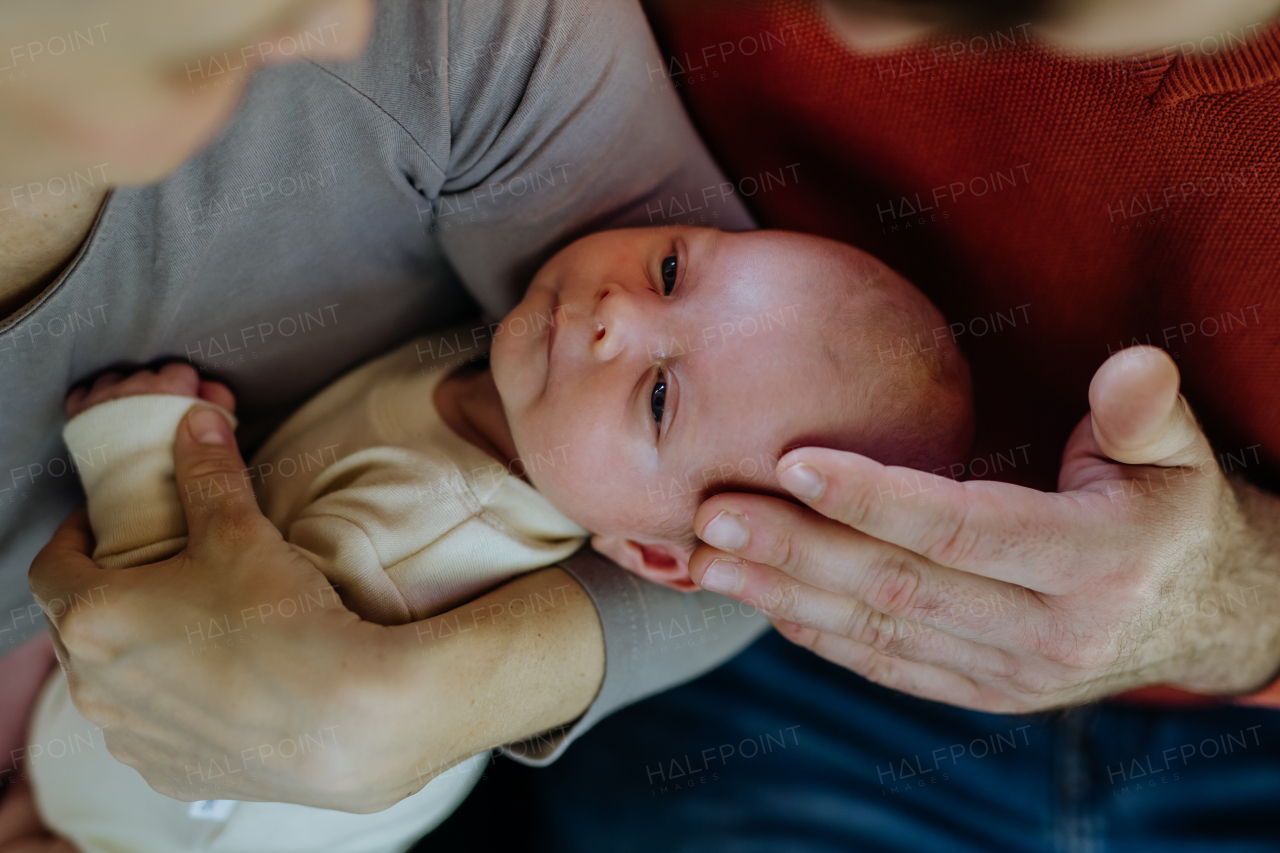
pixel 173 378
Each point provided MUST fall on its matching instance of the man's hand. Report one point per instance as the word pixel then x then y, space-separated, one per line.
pixel 1002 598
pixel 233 671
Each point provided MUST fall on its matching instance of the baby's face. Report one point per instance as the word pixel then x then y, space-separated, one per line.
pixel 647 367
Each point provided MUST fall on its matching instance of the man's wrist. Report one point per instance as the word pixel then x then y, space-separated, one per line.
pixel 1244 601
pixel 1259 557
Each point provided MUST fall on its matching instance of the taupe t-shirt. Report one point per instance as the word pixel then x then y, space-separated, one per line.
pixel 349 207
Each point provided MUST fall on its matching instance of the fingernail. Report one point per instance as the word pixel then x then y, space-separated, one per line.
pixel 726 531
pixel 803 481
pixel 208 427
pixel 722 576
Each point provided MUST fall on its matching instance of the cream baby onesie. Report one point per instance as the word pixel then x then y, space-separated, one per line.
pixel 401 514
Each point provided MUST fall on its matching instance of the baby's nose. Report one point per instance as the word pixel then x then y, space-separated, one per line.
pixel 616 322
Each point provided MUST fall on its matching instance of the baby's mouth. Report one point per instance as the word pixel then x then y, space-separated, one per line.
pixel 551 333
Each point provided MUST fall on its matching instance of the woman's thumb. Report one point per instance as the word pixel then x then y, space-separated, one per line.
pixel 1139 418
pixel 210 473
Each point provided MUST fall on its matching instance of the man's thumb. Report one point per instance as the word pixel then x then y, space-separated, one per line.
pixel 210 474
pixel 1139 418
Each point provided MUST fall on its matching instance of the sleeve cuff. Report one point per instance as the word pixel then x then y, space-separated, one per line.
pixel 123 452
pixel 655 638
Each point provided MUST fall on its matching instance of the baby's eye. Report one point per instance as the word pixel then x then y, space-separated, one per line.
pixel 670 266
pixel 658 400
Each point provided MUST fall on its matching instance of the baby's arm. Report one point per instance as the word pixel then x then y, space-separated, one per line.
pixel 120 433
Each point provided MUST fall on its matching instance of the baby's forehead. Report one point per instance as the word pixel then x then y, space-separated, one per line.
pixel 820 273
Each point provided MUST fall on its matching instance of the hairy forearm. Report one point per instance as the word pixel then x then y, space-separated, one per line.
pixel 1260 572
pixel 523 659
pixel 1244 599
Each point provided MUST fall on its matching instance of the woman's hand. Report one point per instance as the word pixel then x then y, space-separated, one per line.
pixel 233 671
pixel 1002 598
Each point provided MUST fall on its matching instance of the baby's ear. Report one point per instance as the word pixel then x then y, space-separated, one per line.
pixel 667 564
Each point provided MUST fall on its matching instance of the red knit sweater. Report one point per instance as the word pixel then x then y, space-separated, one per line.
pixel 1056 208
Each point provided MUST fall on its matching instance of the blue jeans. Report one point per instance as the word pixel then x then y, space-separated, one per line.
pixel 778 750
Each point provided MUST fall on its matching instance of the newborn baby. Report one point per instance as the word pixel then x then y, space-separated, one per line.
pixel 644 370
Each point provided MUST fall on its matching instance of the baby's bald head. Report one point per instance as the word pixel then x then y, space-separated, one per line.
pixel 906 394
pixel 670 364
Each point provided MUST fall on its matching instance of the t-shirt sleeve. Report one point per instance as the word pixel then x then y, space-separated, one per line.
pixel 655 639
pixel 123 452
pixel 563 121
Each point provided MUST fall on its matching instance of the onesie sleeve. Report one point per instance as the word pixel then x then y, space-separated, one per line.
pixel 655 639
pixel 123 452
pixel 402 536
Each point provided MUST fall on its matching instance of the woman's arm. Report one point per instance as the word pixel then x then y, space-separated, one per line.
pixel 238 644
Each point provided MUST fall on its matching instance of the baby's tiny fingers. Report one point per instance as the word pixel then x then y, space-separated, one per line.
pixel 181 377
pixel 105 382
pixel 75 401
pixel 218 394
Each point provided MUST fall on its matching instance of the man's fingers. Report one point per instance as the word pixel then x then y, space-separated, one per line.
pixel 961 525
pixel 906 676
pixel 781 596
pixel 828 555
pixel 1139 418
pixel 216 491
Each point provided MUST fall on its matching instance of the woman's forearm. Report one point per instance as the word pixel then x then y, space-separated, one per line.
pixel 523 659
